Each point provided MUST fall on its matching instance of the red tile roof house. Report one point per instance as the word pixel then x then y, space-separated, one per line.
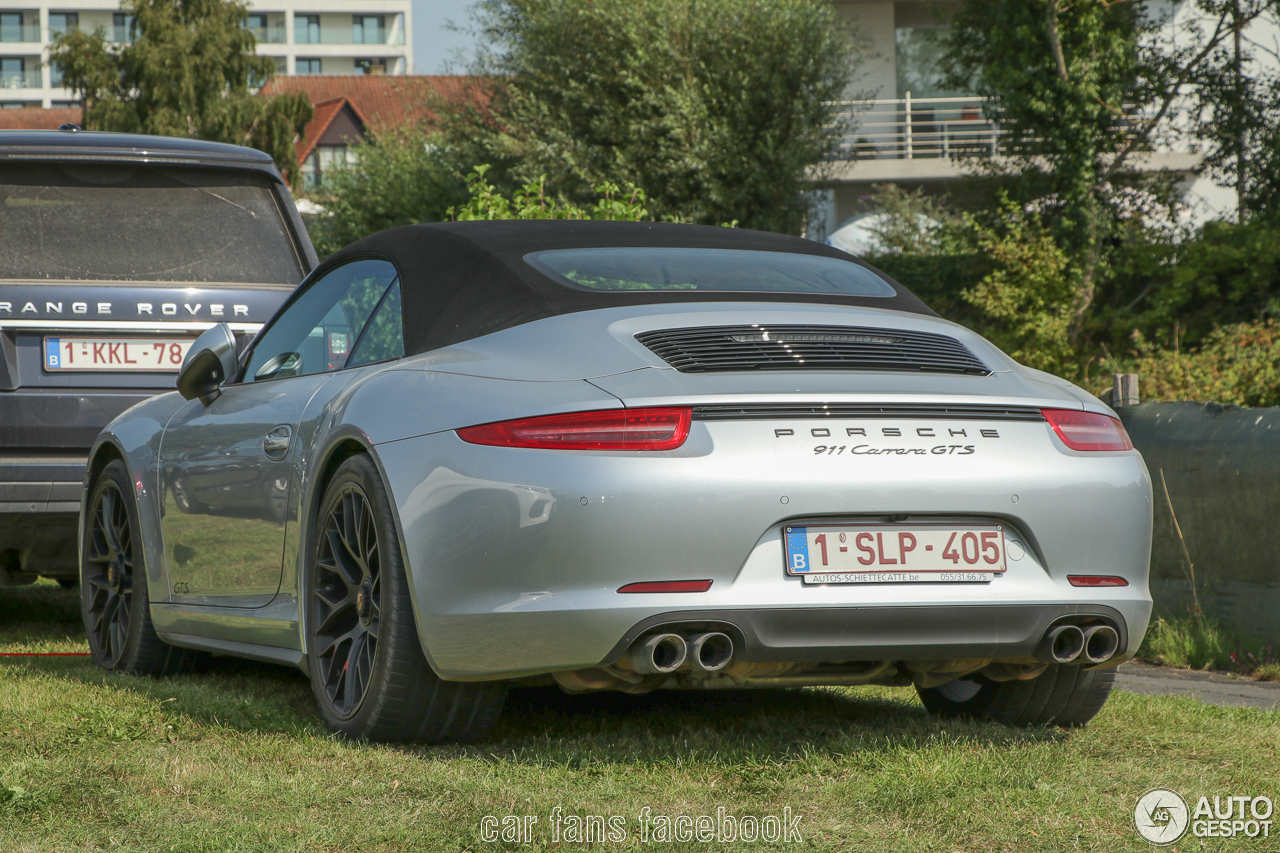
pixel 347 108
pixel 38 118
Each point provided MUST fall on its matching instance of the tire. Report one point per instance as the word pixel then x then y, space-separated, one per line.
pixel 114 604
pixel 368 671
pixel 1063 695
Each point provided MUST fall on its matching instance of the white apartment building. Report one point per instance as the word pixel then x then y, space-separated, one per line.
pixel 915 132
pixel 302 36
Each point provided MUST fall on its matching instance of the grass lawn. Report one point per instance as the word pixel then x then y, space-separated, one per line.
pixel 236 760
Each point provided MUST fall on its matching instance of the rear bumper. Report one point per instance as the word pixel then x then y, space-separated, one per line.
pixel 515 556
pixel 39 516
pixel 848 634
pixel 41 484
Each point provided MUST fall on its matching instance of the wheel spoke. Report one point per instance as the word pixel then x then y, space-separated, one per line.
pixel 110 528
pixel 336 616
pixel 341 558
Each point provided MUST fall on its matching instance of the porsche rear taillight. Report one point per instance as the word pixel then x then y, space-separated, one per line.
pixel 614 429
pixel 1087 430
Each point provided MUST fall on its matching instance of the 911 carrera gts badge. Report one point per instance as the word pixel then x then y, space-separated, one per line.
pixel 955 445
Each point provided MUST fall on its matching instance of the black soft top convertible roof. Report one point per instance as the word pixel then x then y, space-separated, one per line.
pixel 461 280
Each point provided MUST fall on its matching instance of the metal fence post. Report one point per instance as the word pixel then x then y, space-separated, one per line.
pixel 907 106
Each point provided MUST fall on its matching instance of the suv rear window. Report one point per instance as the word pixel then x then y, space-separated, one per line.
pixel 141 222
pixel 622 269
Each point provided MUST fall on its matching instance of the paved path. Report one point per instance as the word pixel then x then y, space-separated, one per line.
pixel 1209 687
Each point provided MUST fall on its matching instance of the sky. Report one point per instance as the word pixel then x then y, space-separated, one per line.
pixel 433 45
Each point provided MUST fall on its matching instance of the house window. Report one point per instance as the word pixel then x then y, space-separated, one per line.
pixel 55 74
pixel 64 104
pixel 11 26
pixel 122 27
pixel 61 23
pixel 919 55
pixel 256 23
pixel 282 65
pixel 308 65
pixel 324 159
pixel 368 29
pixel 13 72
pixel 306 29
pixel 370 66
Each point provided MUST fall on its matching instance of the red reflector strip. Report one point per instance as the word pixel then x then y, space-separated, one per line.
pixel 613 429
pixel 667 586
pixel 1096 580
pixel 1087 430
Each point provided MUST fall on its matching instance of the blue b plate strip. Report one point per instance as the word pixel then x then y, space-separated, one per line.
pixel 797 549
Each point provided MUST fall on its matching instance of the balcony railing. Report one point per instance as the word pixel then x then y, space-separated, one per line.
pixel 20 80
pixel 909 128
pixel 303 34
pixel 949 128
pixel 270 34
pixel 20 33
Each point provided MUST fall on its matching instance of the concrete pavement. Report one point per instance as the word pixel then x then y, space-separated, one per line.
pixel 1210 687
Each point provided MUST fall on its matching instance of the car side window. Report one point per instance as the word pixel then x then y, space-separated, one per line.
pixel 316 332
pixel 383 337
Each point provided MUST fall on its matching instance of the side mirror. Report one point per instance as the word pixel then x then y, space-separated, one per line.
pixel 210 362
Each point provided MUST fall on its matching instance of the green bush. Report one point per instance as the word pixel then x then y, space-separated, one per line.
pixel 532 202
pixel 1237 364
pixel 1199 642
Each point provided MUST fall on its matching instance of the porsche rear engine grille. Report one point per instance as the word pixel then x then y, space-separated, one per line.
pixel 714 349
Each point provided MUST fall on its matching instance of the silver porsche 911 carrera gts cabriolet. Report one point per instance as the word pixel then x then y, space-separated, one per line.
pixel 617 456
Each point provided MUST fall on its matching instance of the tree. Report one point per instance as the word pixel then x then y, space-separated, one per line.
pixel 1059 75
pixel 399 178
pixel 187 72
pixel 1080 88
pixel 1236 101
pixel 717 109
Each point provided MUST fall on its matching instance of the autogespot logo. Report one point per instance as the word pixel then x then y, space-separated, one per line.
pixel 1161 816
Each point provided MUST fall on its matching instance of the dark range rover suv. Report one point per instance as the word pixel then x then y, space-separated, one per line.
pixel 116 251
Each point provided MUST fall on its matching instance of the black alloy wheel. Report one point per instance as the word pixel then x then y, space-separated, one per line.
pixel 368 670
pixel 114 603
pixel 108 574
pixel 348 596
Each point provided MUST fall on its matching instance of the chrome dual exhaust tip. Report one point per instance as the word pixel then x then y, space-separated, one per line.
pixel 1070 643
pixel 1062 644
pixel 710 652
pixel 663 654
pixel 659 654
pixel 1101 642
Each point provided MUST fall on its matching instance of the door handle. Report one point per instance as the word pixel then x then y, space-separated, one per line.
pixel 276 443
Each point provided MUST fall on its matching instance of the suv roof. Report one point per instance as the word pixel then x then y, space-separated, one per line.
pixel 94 145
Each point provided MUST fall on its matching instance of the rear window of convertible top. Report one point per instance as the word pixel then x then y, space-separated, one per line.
pixel 672 269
